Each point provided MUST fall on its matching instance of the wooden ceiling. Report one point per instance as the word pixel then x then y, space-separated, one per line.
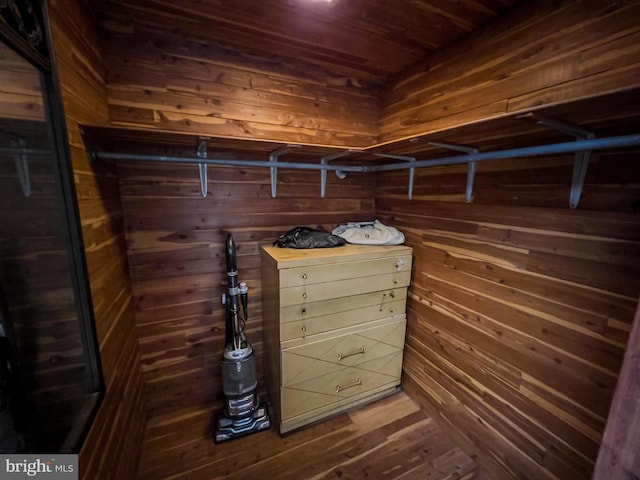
pixel 359 42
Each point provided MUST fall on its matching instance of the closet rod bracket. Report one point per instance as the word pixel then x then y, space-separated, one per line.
pixel 202 167
pixel 341 174
pixel 412 170
pixel 92 152
pixel 18 148
pixel 582 157
pixel 22 167
pixel 471 166
pixel 273 169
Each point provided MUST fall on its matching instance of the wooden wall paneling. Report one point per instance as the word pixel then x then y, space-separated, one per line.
pixel 20 85
pixel 20 96
pixel 162 80
pixel 519 314
pixel 175 240
pixel 257 75
pixel 189 78
pixel 618 456
pixel 581 222
pixel 305 115
pixel 121 414
pixel 23 106
pixel 539 54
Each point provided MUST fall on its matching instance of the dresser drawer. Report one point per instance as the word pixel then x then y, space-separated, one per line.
pixel 347 382
pixel 308 275
pixel 304 362
pixel 312 326
pixel 292 313
pixel 342 288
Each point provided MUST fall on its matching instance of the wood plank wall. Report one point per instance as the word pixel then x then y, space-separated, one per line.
pixel 520 308
pixel 619 457
pixel 113 443
pixel 19 87
pixel 543 53
pixel 159 79
pixel 175 240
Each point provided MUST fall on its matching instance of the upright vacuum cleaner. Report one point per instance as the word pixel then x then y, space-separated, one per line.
pixel 242 414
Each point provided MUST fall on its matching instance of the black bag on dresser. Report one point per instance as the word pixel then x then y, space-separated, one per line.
pixel 305 237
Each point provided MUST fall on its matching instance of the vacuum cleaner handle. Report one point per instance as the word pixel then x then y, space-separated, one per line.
pixel 231 254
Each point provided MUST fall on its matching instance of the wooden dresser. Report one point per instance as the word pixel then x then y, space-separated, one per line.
pixel 334 327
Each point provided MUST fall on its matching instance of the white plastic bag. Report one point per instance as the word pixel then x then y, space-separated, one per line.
pixel 369 233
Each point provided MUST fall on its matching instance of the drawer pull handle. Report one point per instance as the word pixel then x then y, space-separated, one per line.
pixel 304 329
pixel 400 263
pixel 395 281
pixel 303 311
pixel 355 384
pixel 304 295
pixel 359 352
pixel 304 276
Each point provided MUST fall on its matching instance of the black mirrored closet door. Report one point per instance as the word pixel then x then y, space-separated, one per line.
pixel 50 381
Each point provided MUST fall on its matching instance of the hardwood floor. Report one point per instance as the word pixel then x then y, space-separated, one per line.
pixel 389 439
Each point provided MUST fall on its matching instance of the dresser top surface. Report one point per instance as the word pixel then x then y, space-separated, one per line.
pixel 291 257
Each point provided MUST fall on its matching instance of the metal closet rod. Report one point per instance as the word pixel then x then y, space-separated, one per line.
pixel 224 161
pixel 24 151
pixel 535 151
pixel 582 148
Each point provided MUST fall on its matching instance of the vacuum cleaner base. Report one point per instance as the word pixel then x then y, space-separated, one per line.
pixel 228 428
